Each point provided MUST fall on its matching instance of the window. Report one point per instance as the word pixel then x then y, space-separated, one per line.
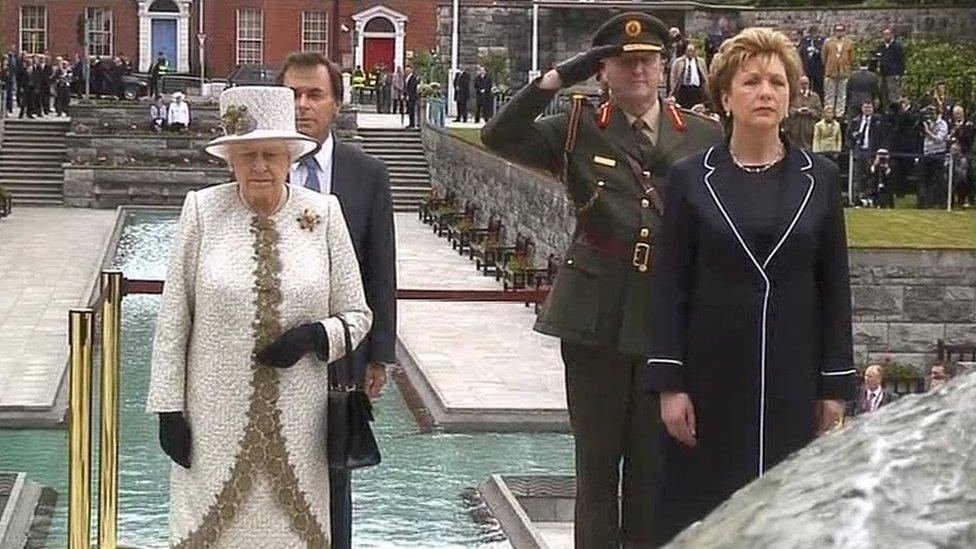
pixel 33 29
pixel 315 33
pixel 99 31
pixel 250 36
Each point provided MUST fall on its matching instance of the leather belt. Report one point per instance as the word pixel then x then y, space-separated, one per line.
pixel 639 253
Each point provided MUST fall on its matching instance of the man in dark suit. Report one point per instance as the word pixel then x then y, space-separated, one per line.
pixel 809 48
pixel 862 85
pixel 865 135
pixel 482 94
pixel 891 56
pixel 11 69
pixel 362 185
pixel 27 84
pixel 410 92
pixel 462 92
pixel 872 395
pixel 45 75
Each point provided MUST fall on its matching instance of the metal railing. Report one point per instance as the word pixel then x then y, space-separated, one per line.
pixel 81 339
pixel 949 162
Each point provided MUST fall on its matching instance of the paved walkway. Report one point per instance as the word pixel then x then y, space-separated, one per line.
pixel 48 258
pixel 480 365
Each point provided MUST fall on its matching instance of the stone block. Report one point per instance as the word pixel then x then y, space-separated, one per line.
pixel 939 311
pixel 871 335
pixel 924 293
pixel 960 293
pixel 877 302
pixel 960 334
pixel 914 338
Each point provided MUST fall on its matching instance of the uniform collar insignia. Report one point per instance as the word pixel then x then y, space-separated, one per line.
pixel 603 119
pixel 675 116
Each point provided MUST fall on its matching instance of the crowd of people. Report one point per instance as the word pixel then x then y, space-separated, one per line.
pixel 873 393
pixel 855 107
pixel 39 84
pixel 174 116
pixel 393 92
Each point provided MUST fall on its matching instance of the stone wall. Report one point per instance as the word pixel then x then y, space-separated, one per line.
pixel 145 148
pixel 565 31
pixel 108 187
pixel 903 300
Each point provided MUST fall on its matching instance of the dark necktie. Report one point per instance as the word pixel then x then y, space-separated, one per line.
pixel 644 143
pixel 688 63
pixel 311 173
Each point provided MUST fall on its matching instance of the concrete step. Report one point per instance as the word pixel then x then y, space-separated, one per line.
pixel 22 190
pixel 35 147
pixel 26 160
pixel 28 170
pixel 34 199
pixel 35 183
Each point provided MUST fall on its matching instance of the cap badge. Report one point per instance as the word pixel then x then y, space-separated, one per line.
pixel 632 28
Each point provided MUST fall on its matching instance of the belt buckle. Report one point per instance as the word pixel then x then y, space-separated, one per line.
pixel 642 256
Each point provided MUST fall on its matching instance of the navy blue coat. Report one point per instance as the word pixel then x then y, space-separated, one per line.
pixel 754 339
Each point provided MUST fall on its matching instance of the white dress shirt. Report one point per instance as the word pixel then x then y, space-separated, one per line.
pixel 179 113
pixel 691 72
pixel 874 398
pixel 299 173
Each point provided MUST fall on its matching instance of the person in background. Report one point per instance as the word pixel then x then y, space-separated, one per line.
pixel 410 83
pixel 872 394
pixel 805 111
pixel 157 115
pixel 879 190
pixel 962 134
pixel 362 185
pixel 891 57
pixel 78 76
pixel 905 143
pixel 462 92
pixel 689 78
pixel 940 98
pixel 940 373
pixel 838 58
pixel 931 183
pixel 11 63
pixel 715 39
pixel 398 84
pixel 482 94
pixel 677 44
pixel 865 137
pixel 178 113
pixel 156 71
pixel 810 47
pixel 45 75
pixel 62 87
pixel 863 85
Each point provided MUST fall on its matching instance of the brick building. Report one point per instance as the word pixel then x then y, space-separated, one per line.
pixel 352 32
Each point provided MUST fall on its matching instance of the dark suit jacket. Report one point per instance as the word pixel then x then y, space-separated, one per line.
pixel 410 88
pixel 862 85
pixel 876 136
pixel 892 58
pixel 362 185
pixel 462 86
pixel 862 404
pixel 483 85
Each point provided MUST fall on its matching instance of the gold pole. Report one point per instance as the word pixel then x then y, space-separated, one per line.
pixel 108 507
pixel 80 339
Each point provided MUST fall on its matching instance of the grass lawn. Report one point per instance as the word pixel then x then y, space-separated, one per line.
pixel 471 135
pixel 902 227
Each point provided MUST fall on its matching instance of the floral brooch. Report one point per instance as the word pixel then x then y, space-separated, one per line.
pixel 308 220
pixel 237 121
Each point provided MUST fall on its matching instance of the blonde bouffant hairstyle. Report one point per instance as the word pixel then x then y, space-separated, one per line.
pixel 748 44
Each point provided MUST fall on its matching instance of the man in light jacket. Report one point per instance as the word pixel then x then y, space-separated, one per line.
pixel 838 59
pixel 178 116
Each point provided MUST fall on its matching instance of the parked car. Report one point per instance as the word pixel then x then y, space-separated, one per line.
pixel 135 85
pixel 252 75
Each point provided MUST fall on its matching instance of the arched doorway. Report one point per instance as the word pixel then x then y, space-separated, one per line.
pixel 164 28
pixel 379 37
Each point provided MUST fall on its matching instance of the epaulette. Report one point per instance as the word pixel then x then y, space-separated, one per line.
pixel 576 110
pixel 676 116
pixel 604 114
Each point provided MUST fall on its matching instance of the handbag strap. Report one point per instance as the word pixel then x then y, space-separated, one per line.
pixel 342 368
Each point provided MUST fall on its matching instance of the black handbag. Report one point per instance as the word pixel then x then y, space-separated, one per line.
pixel 350 440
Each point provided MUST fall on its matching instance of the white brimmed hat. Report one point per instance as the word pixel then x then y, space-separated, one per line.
pixel 259 113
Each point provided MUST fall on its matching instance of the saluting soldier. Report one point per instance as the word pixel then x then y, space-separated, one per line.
pixel 613 161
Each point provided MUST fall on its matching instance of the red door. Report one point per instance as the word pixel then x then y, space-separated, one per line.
pixel 378 51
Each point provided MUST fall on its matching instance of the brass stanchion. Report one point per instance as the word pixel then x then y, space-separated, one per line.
pixel 80 339
pixel 111 285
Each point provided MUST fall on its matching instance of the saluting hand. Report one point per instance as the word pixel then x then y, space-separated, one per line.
pixel 584 65
pixel 678 415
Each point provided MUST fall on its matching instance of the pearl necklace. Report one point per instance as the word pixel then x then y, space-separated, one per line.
pixel 281 200
pixel 758 168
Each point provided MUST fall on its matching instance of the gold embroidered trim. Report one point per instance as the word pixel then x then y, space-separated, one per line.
pixel 263 446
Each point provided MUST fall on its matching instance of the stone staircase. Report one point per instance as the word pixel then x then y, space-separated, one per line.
pixel 31 156
pixel 403 152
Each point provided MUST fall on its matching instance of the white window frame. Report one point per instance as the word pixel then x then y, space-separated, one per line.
pixel 93 31
pixel 319 44
pixel 245 41
pixel 24 32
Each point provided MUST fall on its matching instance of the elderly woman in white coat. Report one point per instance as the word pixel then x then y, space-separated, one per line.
pixel 261 279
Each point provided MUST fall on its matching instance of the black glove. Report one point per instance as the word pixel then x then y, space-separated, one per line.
pixel 293 344
pixel 584 65
pixel 174 437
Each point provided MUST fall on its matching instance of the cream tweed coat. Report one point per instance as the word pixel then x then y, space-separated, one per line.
pixel 236 280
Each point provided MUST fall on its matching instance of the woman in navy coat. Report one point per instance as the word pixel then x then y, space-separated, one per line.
pixel 751 351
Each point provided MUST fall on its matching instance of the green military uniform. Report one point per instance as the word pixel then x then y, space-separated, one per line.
pixel 598 306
